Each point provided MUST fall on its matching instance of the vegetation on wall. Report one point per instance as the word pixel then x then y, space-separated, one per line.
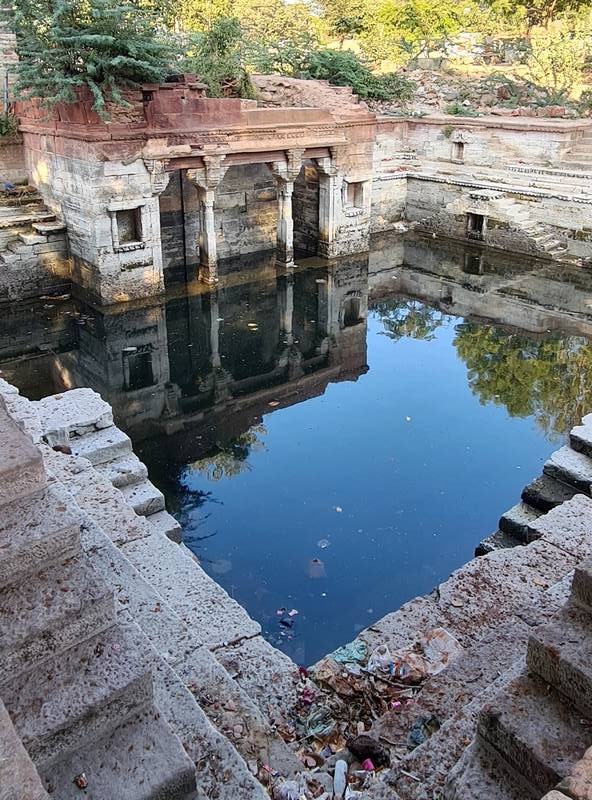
pixel 105 45
pixel 108 45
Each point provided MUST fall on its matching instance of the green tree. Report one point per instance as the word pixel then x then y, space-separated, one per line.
pixel 535 12
pixel 104 45
pixel 420 25
pixel 557 59
pixel 216 55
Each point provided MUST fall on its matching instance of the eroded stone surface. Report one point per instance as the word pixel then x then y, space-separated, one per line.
pixel 198 600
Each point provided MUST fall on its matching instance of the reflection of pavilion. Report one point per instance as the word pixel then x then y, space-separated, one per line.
pixel 217 359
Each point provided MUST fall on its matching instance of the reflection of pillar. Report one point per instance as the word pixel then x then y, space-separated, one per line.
pixel 221 378
pixel 214 330
pixel 287 308
pixel 285 227
pixel 206 179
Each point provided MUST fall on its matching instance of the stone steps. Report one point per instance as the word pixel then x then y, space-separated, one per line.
pixel 102 446
pixel 49 613
pixel 499 540
pixel 34 534
pixel 571 467
pixel 79 695
pixel 144 498
pixel 545 493
pixel 125 471
pixel 163 522
pixel 16 766
pixel 478 775
pixel 516 520
pixel 561 653
pixel 140 760
pixel 580 437
pixel 531 728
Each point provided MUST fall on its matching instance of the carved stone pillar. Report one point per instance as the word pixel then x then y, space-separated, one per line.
pixel 285 226
pixel 285 173
pixel 329 203
pixel 206 180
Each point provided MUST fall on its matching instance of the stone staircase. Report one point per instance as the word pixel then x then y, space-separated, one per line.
pixel 566 473
pixel 33 247
pixel 581 152
pixel 219 686
pixel 73 680
pixel 535 735
pixel 544 240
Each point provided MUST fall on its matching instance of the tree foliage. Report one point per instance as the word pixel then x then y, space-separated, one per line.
pixel 549 378
pixel 216 55
pixel 104 45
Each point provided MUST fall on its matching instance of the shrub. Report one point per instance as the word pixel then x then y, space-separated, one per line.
pixel 344 68
pixel 104 45
pixel 217 57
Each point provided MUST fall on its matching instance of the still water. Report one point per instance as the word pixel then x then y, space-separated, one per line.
pixel 331 445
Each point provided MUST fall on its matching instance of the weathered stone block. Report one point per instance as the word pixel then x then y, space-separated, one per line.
pixel 21 467
pixel 535 731
pixel 561 653
pixel 76 411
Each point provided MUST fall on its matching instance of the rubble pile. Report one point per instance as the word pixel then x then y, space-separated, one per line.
pixel 455 93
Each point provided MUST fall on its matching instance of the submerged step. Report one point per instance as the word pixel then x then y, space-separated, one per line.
pixel 560 652
pixel 535 731
pixel 80 694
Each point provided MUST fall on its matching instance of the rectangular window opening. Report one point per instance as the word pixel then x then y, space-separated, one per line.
pixel 458 151
pixel 138 372
pixel 354 194
pixel 129 225
pixel 475 226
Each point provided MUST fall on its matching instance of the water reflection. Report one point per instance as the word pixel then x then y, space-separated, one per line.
pixel 382 410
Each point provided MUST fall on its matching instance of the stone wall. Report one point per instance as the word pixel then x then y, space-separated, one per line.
pixel 305 205
pixel 492 141
pixel 12 159
pixel 89 193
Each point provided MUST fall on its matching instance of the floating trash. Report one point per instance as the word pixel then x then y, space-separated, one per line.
pixel 221 566
pixel 316 568
pixel 323 543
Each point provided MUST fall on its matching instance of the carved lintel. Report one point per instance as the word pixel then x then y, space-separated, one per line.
pixel 159 175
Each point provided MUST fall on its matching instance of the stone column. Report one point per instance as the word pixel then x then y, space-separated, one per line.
pixel 207 236
pixel 285 173
pixel 329 190
pixel 285 228
pixel 206 179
